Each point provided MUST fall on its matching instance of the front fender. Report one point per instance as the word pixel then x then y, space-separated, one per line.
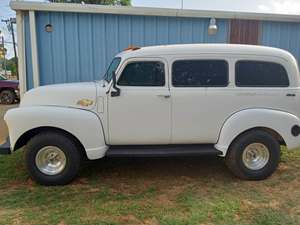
pixel 279 121
pixel 83 124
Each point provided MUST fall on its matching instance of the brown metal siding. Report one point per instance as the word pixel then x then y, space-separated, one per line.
pixel 244 32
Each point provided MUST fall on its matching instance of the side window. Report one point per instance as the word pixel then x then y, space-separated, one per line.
pixel 200 73
pixel 260 74
pixel 143 74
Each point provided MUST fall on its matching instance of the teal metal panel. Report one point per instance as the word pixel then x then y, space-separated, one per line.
pixel 28 59
pixel 45 51
pixel 81 45
pixel 284 35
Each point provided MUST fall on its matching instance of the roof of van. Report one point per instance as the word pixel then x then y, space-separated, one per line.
pixel 194 49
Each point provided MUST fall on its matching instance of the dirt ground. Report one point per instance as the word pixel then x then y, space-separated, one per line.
pixel 3 128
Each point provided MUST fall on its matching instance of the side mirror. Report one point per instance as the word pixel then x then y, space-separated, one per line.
pixel 116 92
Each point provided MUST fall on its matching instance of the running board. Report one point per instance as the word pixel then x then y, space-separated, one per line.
pixel 162 150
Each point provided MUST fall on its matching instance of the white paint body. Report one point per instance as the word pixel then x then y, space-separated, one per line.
pixel 82 124
pixel 143 116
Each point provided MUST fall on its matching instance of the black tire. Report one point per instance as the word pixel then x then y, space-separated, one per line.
pixel 7 97
pixel 234 158
pixel 66 145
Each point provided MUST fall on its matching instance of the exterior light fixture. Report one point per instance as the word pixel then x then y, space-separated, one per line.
pixel 212 28
pixel 48 28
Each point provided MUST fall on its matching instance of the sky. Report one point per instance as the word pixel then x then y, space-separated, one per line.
pixel 264 6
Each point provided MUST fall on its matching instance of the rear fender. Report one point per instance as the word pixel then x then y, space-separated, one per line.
pixel 278 121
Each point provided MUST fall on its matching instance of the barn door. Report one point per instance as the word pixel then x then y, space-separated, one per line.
pixel 244 32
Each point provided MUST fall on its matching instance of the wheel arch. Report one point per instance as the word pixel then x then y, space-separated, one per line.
pixel 84 125
pixel 277 123
pixel 24 138
pixel 270 131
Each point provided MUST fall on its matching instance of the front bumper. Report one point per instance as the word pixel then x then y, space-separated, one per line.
pixel 5 148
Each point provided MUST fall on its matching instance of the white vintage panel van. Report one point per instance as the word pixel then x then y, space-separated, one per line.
pixel 234 101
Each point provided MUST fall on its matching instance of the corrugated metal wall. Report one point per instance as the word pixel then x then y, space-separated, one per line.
pixel 82 45
pixel 28 61
pixel 282 35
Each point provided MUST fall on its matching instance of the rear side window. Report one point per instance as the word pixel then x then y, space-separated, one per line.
pixel 260 74
pixel 143 74
pixel 200 73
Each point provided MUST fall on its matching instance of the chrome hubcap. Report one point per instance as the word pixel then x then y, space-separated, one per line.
pixel 50 160
pixel 256 156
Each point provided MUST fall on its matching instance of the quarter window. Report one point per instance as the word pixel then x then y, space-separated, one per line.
pixel 200 73
pixel 143 74
pixel 260 74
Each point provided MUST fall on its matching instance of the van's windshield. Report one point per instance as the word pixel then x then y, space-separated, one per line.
pixel 112 68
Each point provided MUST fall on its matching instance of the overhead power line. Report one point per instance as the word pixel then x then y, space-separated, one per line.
pixel 10 26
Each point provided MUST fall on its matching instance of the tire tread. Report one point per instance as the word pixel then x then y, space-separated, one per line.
pixel 233 157
pixel 66 144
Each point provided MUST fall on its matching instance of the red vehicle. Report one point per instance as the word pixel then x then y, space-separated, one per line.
pixel 9 91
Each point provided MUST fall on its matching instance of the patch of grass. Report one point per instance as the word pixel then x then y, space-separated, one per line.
pixel 148 191
pixel 272 217
pixel 12 169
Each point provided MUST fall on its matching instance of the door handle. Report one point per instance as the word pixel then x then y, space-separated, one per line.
pixel 290 95
pixel 164 96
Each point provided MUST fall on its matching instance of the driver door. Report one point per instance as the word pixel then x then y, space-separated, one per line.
pixel 141 115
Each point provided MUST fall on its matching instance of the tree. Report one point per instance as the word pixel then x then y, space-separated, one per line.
pixel 11 65
pixel 99 2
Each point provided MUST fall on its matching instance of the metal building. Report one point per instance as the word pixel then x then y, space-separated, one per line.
pixel 60 43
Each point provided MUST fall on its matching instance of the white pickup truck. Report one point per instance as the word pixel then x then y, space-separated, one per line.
pixel 234 101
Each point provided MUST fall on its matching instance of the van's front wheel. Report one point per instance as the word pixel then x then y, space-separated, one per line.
pixel 254 155
pixel 52 158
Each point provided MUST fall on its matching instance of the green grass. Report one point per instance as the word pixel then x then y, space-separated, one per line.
pixel 152 191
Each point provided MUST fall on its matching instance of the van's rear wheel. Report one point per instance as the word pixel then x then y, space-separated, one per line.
pixel 254 155
pixel 52 158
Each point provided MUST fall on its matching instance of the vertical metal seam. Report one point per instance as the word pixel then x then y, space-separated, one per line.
pixel 259 39
pixel 118 32
pixel 130 30
pixel 79 45
pixel 91 34
pixel 65 49
pixel 167 28
pixel 93 22
pixel 144 35
pixel 21 52
pixel 34 53
pixel 156 30
pixel 51 50
pixel 104 41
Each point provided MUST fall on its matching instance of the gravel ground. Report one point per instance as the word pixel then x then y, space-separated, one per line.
pixel 3 128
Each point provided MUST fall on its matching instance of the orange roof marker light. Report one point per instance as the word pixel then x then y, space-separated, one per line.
pixel 132 48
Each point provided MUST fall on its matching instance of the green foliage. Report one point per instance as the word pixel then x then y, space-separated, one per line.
pixel 99 2
pixel 11 65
